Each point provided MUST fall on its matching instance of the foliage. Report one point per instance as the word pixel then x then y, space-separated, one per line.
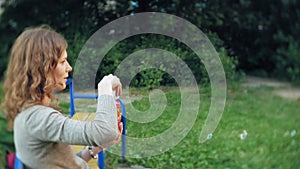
pixel 72 18
pixel 154 77
pixel 288 62
pixel 76 24
pixel 6 141
pixel 261 36
pixel 264 35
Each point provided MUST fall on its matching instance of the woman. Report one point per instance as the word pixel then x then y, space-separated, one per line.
pixel 37 67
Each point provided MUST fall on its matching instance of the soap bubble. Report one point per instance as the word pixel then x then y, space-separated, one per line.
pixel 293 133
pixel 209 136
pixel 243 135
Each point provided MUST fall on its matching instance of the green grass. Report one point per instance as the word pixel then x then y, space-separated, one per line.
pixel 267 118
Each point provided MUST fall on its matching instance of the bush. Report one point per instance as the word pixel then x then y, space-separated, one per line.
pixel 288 63
pixel 77 25
pixel 153 77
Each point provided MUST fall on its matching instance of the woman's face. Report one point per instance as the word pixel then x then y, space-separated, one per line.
pixel 61 72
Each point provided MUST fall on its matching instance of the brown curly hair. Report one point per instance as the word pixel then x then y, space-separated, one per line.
pixel 33 56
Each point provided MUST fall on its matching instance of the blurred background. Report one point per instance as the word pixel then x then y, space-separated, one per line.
pixel 255 37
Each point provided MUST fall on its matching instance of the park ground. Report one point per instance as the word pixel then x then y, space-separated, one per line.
pixel 267 109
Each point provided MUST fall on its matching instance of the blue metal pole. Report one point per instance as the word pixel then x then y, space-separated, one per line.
pixel 123 119
pixel 71 88
pixel 101 160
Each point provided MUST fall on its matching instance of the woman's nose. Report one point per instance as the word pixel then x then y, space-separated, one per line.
pixel 69 68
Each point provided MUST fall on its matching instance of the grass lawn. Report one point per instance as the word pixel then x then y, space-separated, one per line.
pixel 272 125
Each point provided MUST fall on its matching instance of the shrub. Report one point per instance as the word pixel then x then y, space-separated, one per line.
pixel 152 77
pixel 288 63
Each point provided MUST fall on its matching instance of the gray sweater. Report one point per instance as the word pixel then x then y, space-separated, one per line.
pixel 43 136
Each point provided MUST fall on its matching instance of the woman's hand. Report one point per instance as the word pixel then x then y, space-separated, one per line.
pixel 120 134
pixel 86 154
pixel 110 85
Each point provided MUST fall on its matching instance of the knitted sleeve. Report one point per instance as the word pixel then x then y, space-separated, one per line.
pixel 47 124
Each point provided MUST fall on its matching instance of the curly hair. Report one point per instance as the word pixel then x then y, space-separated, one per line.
pixel 33 57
